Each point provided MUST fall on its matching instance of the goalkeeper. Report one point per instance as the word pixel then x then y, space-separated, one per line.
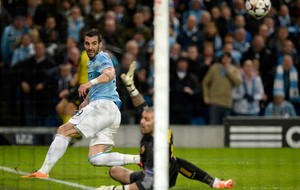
pixel 143 180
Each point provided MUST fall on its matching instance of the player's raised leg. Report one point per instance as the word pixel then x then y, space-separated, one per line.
pixel 108 117
pixel 56 150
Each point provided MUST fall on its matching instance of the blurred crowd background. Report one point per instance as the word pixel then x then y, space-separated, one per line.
pixel 42 58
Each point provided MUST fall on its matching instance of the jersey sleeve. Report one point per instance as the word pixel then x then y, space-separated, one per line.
pixel 105 62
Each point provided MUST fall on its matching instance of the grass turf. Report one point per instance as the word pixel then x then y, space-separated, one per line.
pixel 259 169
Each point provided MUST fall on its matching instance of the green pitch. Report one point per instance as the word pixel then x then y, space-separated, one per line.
pixel 252 169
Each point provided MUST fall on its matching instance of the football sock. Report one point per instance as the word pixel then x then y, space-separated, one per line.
pixel 113 159
pixel 56 150
pixel 215 182
pixel 191 171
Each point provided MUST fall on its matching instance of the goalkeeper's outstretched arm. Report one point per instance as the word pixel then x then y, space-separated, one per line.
pixel 128 79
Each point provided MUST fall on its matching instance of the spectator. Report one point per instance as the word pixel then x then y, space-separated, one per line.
pixel 193 58
pixel 96 16
pixel 64 79
pixel 110 15
pixel 225 23
pixel 5 18
pixel 85 7
pixel 75 24
pixel 206 18
pixel 131 7
pixel 35 86
pixel 31 6
pixel 139 25
pixel 113 36
pixel 239 7
pixel 294 33
pixel 144 47
pixel 228 38
pixel 218 3
pixel 207 58
pixel 24 51
pixel 184 85
pixel 196 9
pixel 211 34
pixel 11 36
pixel 63 52
pixel 121 16
pixel 276 43
pixel 33 30
pixel 287 81
pixel 240 22
pixel 65 8
pixel 174 22
pixel 288 48
pixel 43 11
pixel 61 18
pixel 48 30
pixel 280 107
pixel 148 16
pixel 267 60
pixel 175 53
pixel 240 42
pixel 133 48
pixel 190 34
pixel 270 22
pixel 263 31
pixel 295 9
pixel 284 19
pixel 218 84
pixel 73 55
pixel 215 13
pixel 248 95
pixel 235 54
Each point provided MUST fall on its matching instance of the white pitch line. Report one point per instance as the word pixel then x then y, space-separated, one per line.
pixel 49 179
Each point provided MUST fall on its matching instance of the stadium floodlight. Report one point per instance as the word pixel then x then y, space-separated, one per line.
pixel 161 95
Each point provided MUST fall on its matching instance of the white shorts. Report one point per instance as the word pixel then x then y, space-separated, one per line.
pixel 100 120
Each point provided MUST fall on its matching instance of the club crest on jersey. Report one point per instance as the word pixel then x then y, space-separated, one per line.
pixel 104 64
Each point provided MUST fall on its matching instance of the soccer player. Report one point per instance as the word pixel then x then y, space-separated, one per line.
pixel 143 180
pixel 99 116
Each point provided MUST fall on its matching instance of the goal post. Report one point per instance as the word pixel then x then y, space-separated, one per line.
pixel 161 94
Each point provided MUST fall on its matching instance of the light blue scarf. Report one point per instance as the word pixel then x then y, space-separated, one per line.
pixel 279 83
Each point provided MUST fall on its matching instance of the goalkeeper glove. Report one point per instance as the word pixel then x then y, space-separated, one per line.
pixel 128 80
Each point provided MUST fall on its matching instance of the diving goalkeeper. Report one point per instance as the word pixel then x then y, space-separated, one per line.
pixel 143 180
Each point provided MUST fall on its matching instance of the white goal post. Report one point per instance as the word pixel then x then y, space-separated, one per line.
pixel 161 94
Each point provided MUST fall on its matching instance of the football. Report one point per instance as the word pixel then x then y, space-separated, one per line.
pixel 258 8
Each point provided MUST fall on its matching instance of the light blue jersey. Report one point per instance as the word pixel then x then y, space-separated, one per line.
pixel 107 90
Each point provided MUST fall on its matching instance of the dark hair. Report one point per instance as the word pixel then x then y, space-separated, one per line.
pixel 94 32
pixel 226 54
pixel 180 59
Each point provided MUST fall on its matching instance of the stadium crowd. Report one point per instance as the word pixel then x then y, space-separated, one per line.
pixel 209 40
